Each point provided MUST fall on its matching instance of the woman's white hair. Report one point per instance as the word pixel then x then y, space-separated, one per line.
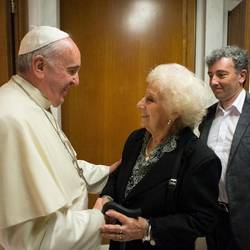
pixel 181 89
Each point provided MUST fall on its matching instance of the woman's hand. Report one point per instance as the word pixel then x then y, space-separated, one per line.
pixel 130 229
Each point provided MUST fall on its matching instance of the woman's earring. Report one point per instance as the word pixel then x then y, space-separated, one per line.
pixel 169 122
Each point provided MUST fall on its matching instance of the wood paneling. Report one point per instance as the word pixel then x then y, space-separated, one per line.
pixel 4 45
pixel 189 27
pixel 13 26
pixel 120 41
pixel 20 23
pixel 236 27
pixel 239 27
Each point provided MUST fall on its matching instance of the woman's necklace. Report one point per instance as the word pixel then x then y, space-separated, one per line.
pixel 55 126
pixel 147 154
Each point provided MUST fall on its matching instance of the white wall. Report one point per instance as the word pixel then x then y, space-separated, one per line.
pixel 43 12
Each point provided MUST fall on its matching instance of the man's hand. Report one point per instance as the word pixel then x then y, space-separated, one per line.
pixel 99 203
pixel 114 166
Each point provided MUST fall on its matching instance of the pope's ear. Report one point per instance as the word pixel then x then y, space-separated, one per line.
pixel 38 64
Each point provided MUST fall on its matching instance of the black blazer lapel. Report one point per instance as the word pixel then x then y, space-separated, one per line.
pixel 128 163
pixel 160 173
pixel 207 123
pixel 242 125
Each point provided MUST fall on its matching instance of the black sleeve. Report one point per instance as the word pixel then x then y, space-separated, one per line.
pixel 196 207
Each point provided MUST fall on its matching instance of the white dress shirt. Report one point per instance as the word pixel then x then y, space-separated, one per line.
pixel 221 135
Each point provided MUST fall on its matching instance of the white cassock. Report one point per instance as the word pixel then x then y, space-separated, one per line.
pixel 43 200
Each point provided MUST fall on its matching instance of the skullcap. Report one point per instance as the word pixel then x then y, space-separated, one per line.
pixel 39 37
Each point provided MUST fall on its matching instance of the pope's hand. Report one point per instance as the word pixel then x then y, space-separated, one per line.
pixel 99 203
pixel 114 166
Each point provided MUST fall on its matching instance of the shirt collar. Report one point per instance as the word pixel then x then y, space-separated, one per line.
pixel 32 91
pixel 236 105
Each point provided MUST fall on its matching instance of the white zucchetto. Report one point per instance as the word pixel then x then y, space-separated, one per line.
pixel 39 37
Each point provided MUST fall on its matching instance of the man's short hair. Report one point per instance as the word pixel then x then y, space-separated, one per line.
pixel 238 55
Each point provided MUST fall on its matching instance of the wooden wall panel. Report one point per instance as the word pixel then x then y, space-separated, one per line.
pixel 19 24
pixel 13 26
pixel 4 45
pixel 236 20
pixel 239 28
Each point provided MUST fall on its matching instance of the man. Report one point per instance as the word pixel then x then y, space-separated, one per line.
pixel 226 129
pixel 43 187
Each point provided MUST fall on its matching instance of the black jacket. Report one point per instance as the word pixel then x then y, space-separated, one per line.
pixel 238 173
pixel 195 196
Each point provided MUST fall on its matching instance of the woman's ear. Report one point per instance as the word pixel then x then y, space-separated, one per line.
pixel 38 64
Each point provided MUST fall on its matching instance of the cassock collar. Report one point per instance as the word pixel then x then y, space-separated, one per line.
pixel 34 92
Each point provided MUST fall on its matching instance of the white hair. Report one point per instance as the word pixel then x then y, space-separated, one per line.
pixel 182 90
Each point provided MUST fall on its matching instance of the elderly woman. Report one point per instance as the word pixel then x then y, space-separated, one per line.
pixel 166 171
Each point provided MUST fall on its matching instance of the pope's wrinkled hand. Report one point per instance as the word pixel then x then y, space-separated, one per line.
pixel 114 166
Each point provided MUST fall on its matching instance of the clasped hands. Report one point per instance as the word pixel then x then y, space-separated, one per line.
pixel 127 229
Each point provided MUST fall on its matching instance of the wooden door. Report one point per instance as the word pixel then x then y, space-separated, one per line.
pixel 239 27
pixel 120 41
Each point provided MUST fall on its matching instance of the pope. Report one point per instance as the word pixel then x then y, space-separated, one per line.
pixel 43 187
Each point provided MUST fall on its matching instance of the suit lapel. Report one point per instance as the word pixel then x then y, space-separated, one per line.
pixel 153 178
pixel 242 125
pixel 125 172
pixel 207 123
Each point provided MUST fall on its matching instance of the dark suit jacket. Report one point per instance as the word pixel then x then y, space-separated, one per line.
pixel 238 173
pixel 196 193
